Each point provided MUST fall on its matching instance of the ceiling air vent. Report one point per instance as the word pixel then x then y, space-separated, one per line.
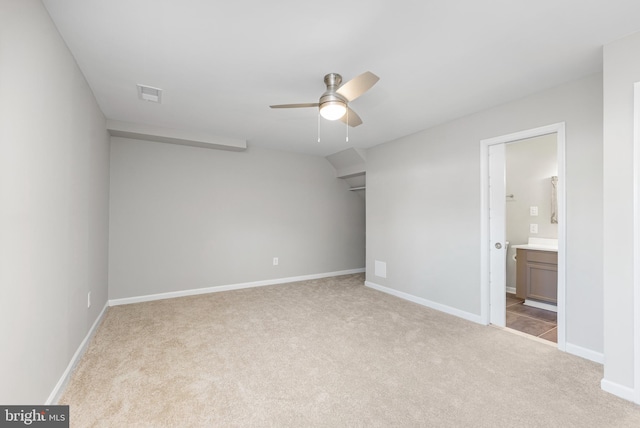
pixel 149 93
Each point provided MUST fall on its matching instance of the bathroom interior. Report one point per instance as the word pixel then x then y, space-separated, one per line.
pixel 532 236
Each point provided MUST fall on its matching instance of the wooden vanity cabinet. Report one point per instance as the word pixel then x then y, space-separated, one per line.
pixel 537 275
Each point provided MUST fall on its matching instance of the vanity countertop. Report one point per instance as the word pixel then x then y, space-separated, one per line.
pixel 536 247
pixel 539 244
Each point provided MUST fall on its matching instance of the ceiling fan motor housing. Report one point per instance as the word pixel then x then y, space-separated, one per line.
pixel 328 97
pixel 333 81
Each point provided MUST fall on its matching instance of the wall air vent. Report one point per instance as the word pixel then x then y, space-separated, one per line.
pixel 149 93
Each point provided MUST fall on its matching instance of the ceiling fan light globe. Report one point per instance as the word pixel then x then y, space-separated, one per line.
pixel 333 110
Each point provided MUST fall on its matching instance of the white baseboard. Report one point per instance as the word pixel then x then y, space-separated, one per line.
pixel 619 390
pixel 588 354
pixel 428 303
pixel 540 305
pixel 215 289
pixel 511 290
pixel 64 379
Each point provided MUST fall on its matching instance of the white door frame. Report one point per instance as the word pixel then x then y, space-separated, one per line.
pixel 485 284
pixel 636 240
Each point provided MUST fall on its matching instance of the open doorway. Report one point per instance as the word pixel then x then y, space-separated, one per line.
pixel 493 232
pixel 531 233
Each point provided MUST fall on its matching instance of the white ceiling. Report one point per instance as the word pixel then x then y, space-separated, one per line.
pixel 222 63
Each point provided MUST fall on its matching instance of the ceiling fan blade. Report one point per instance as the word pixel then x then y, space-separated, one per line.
pixel 295 105
pixel 358 85
pixel 354 119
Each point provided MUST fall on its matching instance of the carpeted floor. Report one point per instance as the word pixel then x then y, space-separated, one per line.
pixel 327 352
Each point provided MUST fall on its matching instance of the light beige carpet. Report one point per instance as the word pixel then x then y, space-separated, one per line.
pixel 331 353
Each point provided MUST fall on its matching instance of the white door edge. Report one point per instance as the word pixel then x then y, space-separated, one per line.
pixel 636 240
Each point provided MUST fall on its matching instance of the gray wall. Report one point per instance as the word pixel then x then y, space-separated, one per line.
pixel 54 165
pixel 621 71
pixel 530 164
pixel 423 205
pixel 184 218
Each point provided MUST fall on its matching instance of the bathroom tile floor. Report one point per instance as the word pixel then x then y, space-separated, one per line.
pixel 536 322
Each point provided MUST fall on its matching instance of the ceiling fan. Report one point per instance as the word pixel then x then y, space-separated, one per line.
pixel 334 103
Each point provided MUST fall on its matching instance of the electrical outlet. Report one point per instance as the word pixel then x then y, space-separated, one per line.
pixel 533 211
pixel 533 228
pixel 275 261
pixel 89 299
